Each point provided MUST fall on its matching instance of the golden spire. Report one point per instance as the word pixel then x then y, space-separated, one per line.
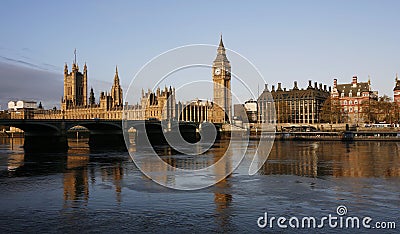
pixel 116 77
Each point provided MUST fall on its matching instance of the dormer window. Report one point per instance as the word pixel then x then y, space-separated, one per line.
pixel 350 94
pixel 342 94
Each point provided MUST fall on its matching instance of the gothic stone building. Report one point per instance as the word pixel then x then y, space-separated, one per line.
pixel 221 73
pixel 294 105
pixel 75 103
pixel 160 104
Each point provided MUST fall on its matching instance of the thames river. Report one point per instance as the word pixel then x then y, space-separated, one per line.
pixel 103 191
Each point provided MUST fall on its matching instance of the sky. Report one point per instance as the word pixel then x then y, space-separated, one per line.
pixel 285 40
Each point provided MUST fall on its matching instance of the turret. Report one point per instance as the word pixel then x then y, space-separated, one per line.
pixel 92 100
pixel 116 90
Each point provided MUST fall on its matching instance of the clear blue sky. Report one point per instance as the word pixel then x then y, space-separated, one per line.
pixel 286 40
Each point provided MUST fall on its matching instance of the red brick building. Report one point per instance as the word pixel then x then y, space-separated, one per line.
pixel 396 91
pixel 352 98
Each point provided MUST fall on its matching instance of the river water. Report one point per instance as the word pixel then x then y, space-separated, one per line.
pixel 103 191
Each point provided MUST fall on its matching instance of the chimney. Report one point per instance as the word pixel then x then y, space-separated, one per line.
pixel 320 86
pixel 295 86
pixel 316 85
pixel 279 87
pixel 325 88
pixel 266 87
pixel 334 83
pixel 330 89
pixel 309 85
pixel 273 88
pixel 354 80
pixel 284 89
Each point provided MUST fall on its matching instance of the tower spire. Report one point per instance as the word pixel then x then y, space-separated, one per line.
pixel 116 76
pixel 75 56
pixel 221 55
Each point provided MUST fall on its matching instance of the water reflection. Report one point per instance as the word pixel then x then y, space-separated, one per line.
pixel 318 159
pixel 75 184
pixel 223 201
pixel 81 167
pixel 76 178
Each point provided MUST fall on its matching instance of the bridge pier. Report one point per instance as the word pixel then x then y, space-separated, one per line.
pixel 107 139
pixel 41 142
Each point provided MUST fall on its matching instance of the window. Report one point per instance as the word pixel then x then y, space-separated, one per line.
pixel 342 94
pixel 350 102
pixel 351 109
pixel 355 102
pixel 350 94
pixel 345 102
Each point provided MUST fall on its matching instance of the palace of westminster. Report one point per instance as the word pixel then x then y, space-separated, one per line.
pixel 159 104
pixel 279 105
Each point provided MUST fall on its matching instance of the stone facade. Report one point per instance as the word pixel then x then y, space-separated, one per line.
pixel 221 73
pixel 75 87
pixel 74 103
pixel 294 105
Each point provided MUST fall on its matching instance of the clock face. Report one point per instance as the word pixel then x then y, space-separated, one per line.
pixel 217 71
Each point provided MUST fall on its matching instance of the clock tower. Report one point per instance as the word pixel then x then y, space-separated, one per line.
pixel 221 73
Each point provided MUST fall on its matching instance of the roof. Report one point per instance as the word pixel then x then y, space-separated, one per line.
pixel 221 55
pixel 397 88
pixel 359 87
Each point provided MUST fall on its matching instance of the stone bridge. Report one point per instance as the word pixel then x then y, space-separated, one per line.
pixel 51 134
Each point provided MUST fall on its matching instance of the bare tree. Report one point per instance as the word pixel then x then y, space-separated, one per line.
pixel 331 111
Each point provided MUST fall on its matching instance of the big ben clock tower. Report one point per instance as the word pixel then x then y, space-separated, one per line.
pixel 221 73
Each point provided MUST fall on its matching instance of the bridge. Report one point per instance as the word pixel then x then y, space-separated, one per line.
pixel 51 134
